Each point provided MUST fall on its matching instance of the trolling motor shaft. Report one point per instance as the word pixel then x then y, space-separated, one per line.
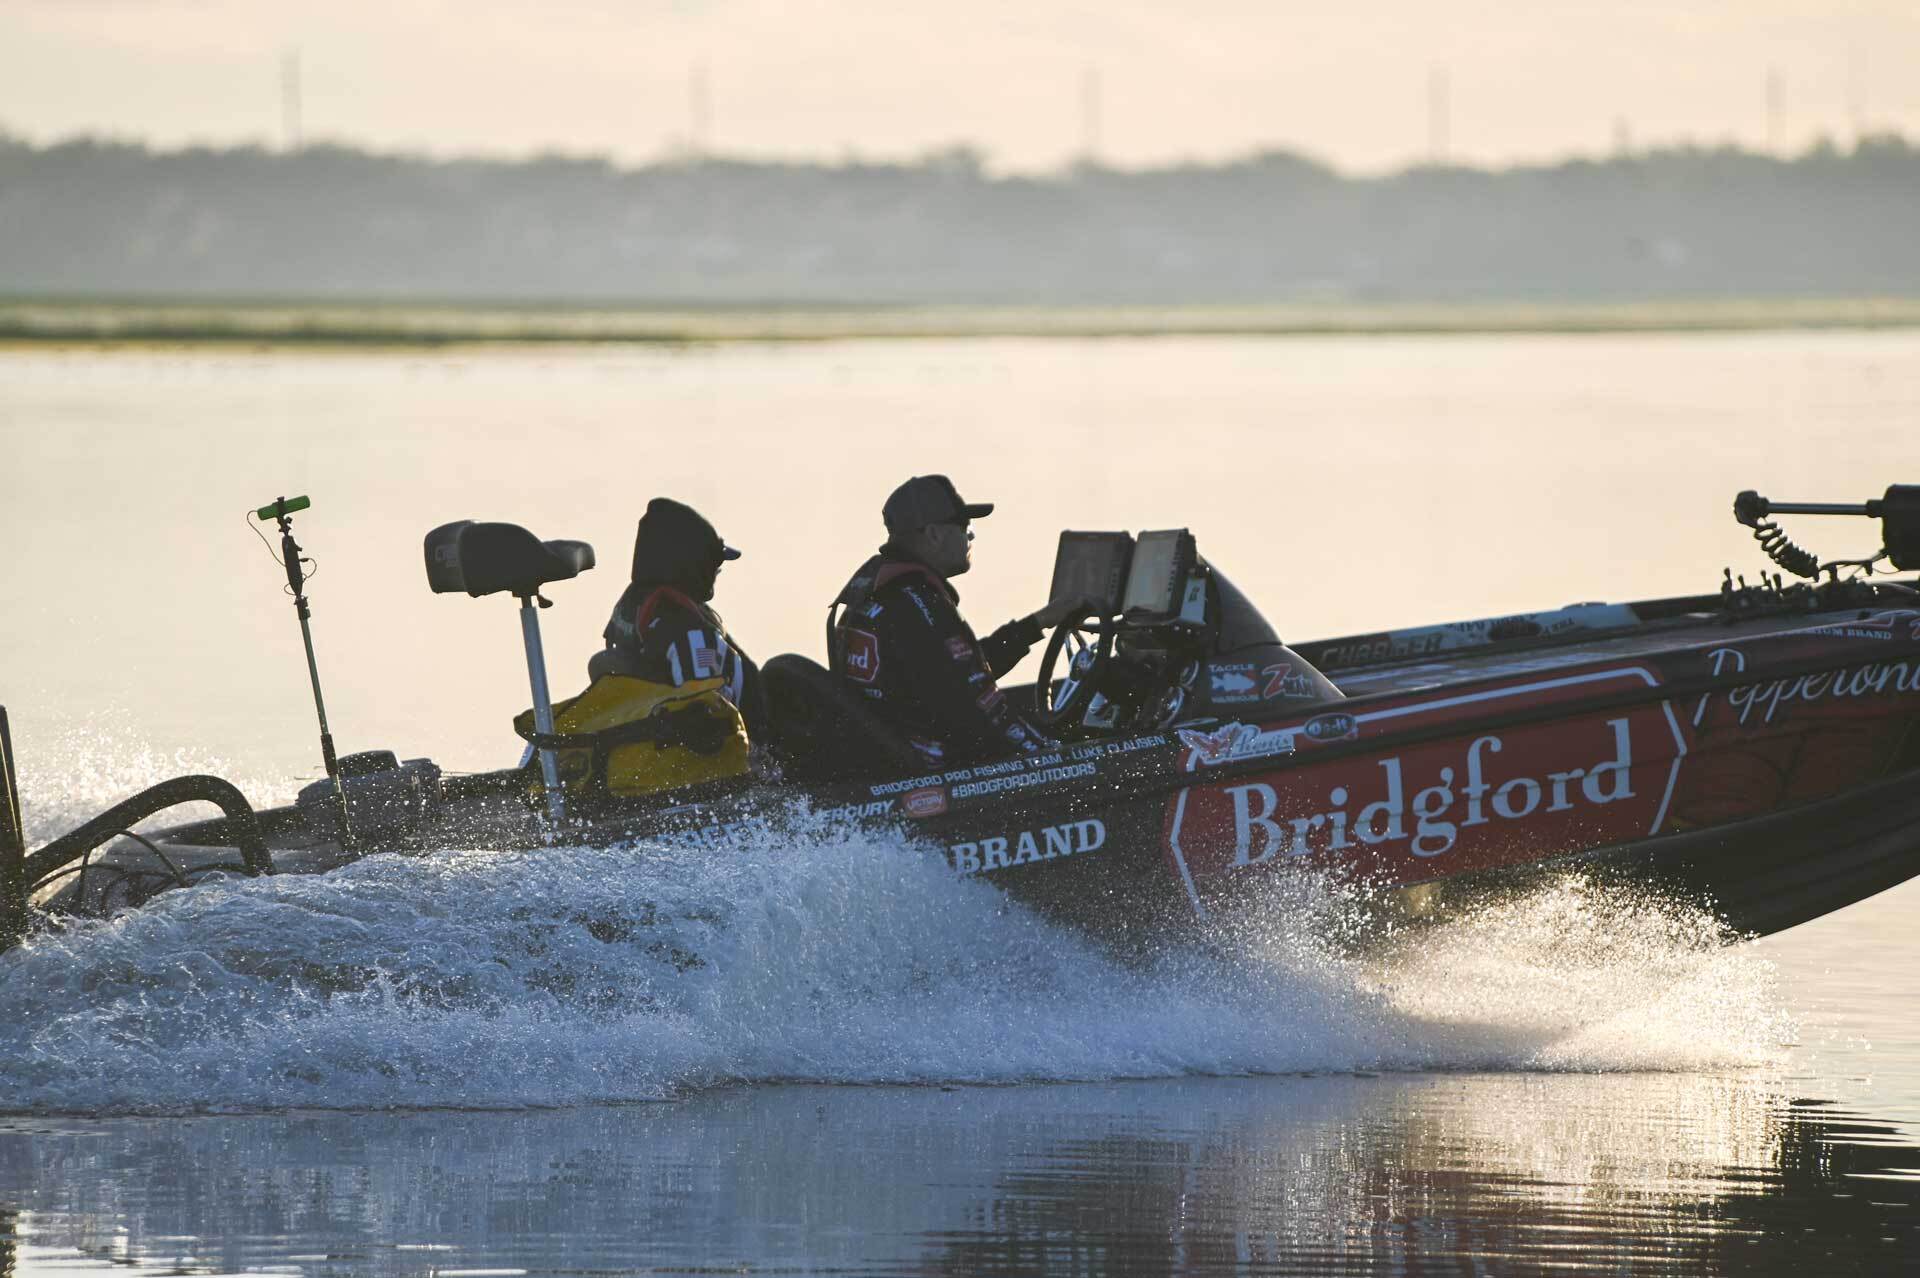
pixel 282 509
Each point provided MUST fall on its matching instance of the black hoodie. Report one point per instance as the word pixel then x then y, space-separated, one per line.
pixel 663 628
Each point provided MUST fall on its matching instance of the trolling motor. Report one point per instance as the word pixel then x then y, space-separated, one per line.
pixel 23 873
pixel 1898 511
pixel 298 571
pixel 484 559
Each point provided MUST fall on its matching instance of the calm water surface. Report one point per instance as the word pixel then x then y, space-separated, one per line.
pixel 824 1058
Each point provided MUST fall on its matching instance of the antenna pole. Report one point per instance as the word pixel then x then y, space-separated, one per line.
pixel 282 510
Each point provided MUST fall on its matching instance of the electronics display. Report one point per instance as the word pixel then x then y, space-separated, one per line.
pixel 1161 563
pixel 1094 565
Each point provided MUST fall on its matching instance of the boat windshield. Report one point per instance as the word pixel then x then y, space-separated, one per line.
pixel 1240 623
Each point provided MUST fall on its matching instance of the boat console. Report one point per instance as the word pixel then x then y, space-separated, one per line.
pixel 1165 639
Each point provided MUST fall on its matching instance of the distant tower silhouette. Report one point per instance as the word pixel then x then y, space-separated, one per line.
pixel 1439 104
pixel 699 110
pixel 1776 110
pixel 1856 113
pixel 290 99
pixel 1090 105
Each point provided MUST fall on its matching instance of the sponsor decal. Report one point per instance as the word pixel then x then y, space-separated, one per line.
pixel 928 800
pixel 1513 628
pixel 930 750
pixel 959 649
pixel 1232 681
pixel 1848 687
pixel 1454 799
pixel 1000 774
pixel 857 811
pixel 1001 767
pixel 1100 749
pixel 1286 680
pixel 990 698
pixel 1027 846
pixel 1233 741
pixel 1026 780
pixel 1880 627
pixel 1338 726
pixel 902 786
pixel 1876 678
pixel 1380 648
pixel 863 656
pixel 1480 797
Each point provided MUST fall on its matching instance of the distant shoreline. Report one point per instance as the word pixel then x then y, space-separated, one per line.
pixel 411 325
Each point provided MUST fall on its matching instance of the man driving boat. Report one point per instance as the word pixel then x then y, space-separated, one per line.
pixel 663 629
pixel 897 639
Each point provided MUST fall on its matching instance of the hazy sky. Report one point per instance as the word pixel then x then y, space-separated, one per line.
pixel 1351 82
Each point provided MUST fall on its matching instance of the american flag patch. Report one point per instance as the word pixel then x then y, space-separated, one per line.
pixel 707 662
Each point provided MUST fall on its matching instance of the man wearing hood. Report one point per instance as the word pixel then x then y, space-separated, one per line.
pixel 663 628
pixel 898 641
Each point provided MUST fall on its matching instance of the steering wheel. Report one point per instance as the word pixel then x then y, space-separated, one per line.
pixel 1085 642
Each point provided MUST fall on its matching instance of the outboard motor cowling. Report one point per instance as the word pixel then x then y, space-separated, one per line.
pixel 387 800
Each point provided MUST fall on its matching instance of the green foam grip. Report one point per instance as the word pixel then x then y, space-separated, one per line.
pixel 273 509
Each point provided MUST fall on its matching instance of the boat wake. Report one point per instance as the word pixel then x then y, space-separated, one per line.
pixel 571 976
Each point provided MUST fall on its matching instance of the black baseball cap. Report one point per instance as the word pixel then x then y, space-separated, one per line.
pixel 929 499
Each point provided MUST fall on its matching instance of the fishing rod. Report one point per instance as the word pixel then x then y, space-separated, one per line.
pixel 282 509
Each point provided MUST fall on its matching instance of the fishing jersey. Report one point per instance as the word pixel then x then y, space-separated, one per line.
pixel 899 642
pixel 665 636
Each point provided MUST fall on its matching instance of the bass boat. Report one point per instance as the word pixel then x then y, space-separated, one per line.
pixel 1756 749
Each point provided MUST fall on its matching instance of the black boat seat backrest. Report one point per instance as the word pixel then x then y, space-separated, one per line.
pixel 823 733
pixel 484 559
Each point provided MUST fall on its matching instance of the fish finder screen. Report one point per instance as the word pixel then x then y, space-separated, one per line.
pixel 1160 561
pixel 1093 566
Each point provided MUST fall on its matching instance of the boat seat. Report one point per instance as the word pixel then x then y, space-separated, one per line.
pixel 822 733
pixel 484 559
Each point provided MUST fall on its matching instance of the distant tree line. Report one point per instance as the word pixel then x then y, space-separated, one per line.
pixel 106 218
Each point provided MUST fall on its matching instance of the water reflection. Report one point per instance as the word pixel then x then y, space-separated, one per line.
pixel 1414 1174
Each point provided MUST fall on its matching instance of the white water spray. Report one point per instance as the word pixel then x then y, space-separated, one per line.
pixel 571 975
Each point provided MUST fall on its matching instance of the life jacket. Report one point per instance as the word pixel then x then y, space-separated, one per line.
pixel 874 576
pixel 625 737
pixel 628 625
